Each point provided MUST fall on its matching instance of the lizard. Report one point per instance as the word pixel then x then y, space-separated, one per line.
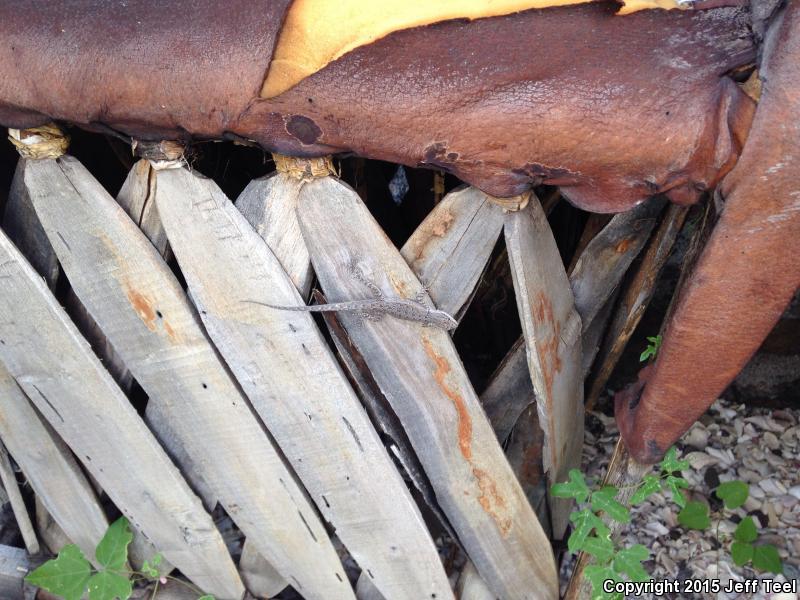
pixel 375 308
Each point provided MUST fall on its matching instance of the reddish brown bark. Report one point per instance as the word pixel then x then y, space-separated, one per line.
pixel 747 273
pixel 613 109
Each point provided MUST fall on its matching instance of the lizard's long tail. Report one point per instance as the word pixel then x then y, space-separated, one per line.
pixel 333 307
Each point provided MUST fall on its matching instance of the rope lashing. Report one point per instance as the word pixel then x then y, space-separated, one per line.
pixel 304 168
pixel 163 154
pixel 513 203
pixel 46 141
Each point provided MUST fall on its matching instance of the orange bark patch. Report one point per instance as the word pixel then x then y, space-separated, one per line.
pixel 464 420
pixel 443 225
pixel 491 500
pixel 142 307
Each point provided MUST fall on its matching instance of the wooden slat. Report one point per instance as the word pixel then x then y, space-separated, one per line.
pixel 260 577
pixel 607 257
pixel 552 330
pixel 381 414
pixel 602 265
pixel 450 249
pixel 50 468
pixel 141 308
pixel 470 585
pixel 287 370
pixel 56 369
pixel 421 374
pixel 509 391
pixel 14 566
pixel 11 487
pixel 270 206
pixel 635 299
pixel 137 198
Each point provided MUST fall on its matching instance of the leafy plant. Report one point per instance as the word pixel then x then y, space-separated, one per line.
pixel 592 535
pixel 733 494
pixel 70 575
pixel 652 348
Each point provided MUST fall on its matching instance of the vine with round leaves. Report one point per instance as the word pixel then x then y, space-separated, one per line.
pixel 70 575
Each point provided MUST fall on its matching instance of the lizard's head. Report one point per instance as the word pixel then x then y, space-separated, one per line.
pixel 442 320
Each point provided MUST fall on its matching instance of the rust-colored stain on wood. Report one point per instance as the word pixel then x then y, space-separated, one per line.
pixel 143 308
pixel 623 246
pixel 464 420
pixel 548 350
pixel 490 498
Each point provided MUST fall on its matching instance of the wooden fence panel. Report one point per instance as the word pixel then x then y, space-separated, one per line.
pixel 289 373
pixel 421 374
pixel 56 368
pixel 121 279
pixel 50 468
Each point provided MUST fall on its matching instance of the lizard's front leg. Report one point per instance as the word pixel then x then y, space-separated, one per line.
pixel 746 275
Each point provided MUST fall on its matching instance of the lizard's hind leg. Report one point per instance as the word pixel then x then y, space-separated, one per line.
pixel 359 276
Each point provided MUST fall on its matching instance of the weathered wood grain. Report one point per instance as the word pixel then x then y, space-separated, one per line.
pixel 594 277
pixel 50 468
pixel 470 585
pixel 23 227
pixel 289 373
pixel 509 391
pixel 421 374
pixel 14 566
pixel 140 306
pixel 635 299
pixel 137 198
pixel 9 480
pixel 55 367
pixel 381 414
pixel 450 249
pixel 260 577
pixel 607 257
pixel 270 206
pixel 552 330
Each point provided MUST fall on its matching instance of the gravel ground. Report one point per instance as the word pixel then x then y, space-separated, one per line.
pixel 732 441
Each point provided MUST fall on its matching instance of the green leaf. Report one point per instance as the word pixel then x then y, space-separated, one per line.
pixel 65 575
pixel 733 493
pixel 596 575
pixel 601 548
pixel 603 499
pixel 674 485
pixel 652 348
pixel 574 488
pixel 741 553
pixel 670 462
pixel 112 551
pixel 629 562
pixel 107 585
pixel 207 597
pixel 649 486
pixel 694 516
pixel 746 530
pixel 585 521
pixel 149 567
pixel 766 558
